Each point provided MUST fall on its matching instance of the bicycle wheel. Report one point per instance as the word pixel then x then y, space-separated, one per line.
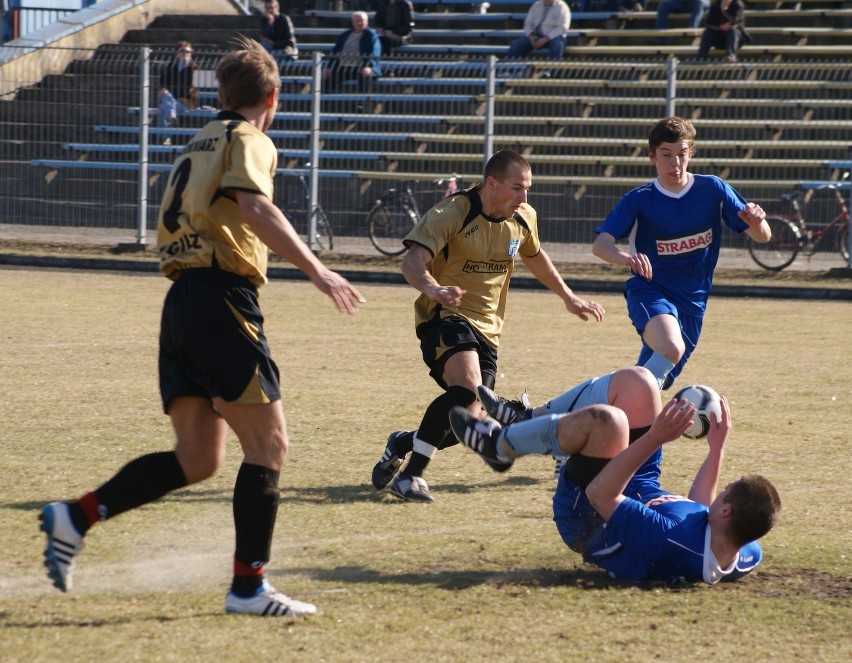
pixel 843 241
pixel 322 235
pixel 781 249
pixel 388 225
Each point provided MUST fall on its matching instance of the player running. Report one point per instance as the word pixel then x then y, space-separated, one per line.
pixel 216 226
pixel 460 258
pixel 675 228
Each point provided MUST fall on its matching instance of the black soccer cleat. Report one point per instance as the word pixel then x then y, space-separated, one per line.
pixel 479 435
pixel 389 463
pixel 502 410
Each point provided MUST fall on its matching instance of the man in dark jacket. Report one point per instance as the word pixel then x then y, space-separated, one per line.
pixel 725 28
pixel 276 32
pixel 393 23
pixel 355 55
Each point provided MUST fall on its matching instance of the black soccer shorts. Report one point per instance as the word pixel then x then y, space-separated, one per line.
pixel 212 342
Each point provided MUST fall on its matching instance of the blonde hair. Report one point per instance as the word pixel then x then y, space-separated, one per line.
pixel 246 75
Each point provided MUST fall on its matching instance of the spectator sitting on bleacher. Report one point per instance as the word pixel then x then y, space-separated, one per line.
pixel 393 23
pixel 355 55
pixel 724 28
pixel 276 32
pixel 545 26
pixel 626 5
pixel 177 94
pixel 695 9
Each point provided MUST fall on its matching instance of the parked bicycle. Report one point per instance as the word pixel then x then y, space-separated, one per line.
pixel 296 212
pixel 791 234
pixel 396 213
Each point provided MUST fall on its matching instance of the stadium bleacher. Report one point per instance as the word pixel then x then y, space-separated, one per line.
pixel 774 119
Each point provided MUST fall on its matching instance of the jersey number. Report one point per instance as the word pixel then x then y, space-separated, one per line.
pixel 179 180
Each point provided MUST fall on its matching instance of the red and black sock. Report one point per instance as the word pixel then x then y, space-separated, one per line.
pixel 256 498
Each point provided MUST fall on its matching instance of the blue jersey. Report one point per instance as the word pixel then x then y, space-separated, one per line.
pixel 680 233
pixel 652 535
pixel 666 537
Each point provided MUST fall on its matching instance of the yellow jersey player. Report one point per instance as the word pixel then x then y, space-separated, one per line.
pixel 216 225
pixel 460 258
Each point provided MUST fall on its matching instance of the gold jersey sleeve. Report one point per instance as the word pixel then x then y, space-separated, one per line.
pixel 199 223
pixel 476 253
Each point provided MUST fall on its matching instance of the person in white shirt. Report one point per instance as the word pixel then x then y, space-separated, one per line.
pixel 545 27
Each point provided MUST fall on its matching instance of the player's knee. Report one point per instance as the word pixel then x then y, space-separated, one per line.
pixel 461 396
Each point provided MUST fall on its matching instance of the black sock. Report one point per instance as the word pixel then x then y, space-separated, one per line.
pixel 141 481
pixel 435 427
pixel 404 443
pixel 256 498
pixel 416 465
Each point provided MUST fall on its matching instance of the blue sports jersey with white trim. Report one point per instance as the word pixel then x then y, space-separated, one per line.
pixel 680 233
pixel 652 535
pixel 664 538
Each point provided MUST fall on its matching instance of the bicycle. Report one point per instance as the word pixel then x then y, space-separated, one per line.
pixel 297 213
pixel 791 235
pixel 395 213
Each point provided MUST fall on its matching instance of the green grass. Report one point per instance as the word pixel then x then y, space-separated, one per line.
pixel 481 575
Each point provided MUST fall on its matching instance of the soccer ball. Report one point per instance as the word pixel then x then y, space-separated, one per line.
pixel 705 400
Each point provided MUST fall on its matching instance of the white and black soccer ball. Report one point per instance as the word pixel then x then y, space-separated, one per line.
pixel 705 400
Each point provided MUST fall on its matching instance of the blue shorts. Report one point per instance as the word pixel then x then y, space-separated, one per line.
pixel 644 301
pixel 575 517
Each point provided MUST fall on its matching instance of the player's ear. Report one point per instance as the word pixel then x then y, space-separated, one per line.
pixel 272 98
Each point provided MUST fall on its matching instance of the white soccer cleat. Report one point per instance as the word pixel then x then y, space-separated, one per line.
pixel 64 543
pixel 268 602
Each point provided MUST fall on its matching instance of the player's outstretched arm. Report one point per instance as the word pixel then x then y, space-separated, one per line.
pixel 606 249
pixel 274 230
pixel 706 480
pixel 545 271
pixel 605 490
pixel 415 269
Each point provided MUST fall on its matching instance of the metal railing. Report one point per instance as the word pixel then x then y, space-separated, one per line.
pixel 82 152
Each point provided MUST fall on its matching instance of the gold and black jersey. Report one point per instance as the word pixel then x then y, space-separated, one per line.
pixel 476 253
pixel 200 224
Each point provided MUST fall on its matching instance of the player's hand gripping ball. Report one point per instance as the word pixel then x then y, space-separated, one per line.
pixel 705 400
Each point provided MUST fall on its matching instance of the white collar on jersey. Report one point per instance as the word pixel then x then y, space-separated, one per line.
pixel 712 572
pixel 679 194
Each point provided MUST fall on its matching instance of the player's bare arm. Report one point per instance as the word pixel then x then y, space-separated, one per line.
pixel 544 270
pixel 274 230
pixel 605 490
pixel 415 269
pixel 605 248
pixel 706 480
pixel 758 229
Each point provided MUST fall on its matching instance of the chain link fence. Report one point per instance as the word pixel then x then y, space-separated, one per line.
pixel 81 152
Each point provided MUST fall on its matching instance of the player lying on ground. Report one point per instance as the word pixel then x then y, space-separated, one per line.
pixel 649 533
pixel 633 389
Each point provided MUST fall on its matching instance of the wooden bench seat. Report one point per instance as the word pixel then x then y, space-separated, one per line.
pixel 164 167
pixel 473 175
pixel 638 143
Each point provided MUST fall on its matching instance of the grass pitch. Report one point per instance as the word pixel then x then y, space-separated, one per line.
pixel 481 575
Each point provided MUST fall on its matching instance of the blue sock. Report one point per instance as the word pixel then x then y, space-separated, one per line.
pixel 534 436
pixel 565 403
pixel 660 367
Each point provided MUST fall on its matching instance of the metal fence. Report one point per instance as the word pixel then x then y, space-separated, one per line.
pixel 81 152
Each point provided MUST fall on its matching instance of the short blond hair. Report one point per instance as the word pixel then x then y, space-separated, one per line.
pixel 246 75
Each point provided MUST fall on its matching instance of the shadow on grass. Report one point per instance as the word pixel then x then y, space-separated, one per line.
pixel 310 494
pixel 366 492
pixel 582 578
pixel 117 620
